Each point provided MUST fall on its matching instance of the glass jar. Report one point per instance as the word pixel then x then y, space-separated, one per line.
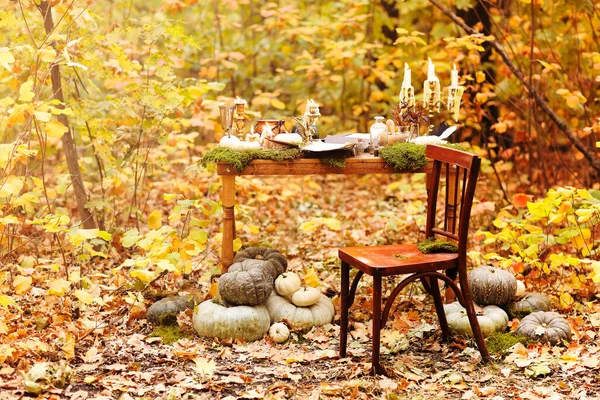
pixel 378 129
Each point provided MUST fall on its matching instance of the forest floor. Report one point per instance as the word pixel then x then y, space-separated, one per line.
pixel 111 354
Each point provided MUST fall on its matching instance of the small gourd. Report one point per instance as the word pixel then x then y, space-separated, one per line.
pixel 229 141
pixel 279 332
pixel 491 319
pixel 492 286
pixel 521 290
pixel 530 303
pixel 544 326
pixel 306 296
pixel 287 283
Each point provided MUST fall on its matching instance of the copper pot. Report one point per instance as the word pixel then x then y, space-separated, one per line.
pixel 277 125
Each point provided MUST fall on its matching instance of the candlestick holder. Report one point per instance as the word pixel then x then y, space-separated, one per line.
pixel 431 105
pixel 240 116
pixel 311 115
pixel 407 95
pixel 454 97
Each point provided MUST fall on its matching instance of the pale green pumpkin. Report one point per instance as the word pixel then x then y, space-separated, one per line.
pixel 245 322
pixel 302 318
pixel 491 319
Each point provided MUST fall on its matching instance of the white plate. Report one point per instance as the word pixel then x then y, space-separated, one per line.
pixel 363 136
pixel 320 146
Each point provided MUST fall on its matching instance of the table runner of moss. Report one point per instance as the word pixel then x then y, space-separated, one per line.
pixel 403 157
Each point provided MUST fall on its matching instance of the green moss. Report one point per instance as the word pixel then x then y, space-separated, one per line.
pixel 337 162
pixel 436 246
pixel 409 156
pixel 401 156
pixel 241 158
pixel 169 333
pixel 404 156
pixel 499 342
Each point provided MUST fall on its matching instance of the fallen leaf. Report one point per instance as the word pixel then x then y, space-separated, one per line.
pixel 204 367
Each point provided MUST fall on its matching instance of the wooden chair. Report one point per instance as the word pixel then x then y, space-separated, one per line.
pixel 460 170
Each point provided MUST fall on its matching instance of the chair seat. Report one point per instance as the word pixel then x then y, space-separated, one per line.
pixel 396 259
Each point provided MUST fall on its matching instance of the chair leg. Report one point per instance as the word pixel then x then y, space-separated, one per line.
pixel 345 272
pixel 466 293
pixel 377 367
pixel 439 308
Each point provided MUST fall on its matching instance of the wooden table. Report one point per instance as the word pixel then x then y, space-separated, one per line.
pixel 303 166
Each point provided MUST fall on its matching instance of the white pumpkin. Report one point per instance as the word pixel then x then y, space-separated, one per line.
pixel 520 293
pixel 302 318
pixel 491 319
pixel 287 283
pixel 229 141
pixel 246 322
pixel 279 332
pixel 306 296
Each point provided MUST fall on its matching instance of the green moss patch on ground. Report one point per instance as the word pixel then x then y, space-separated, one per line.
pixel 169 333
pixel 499 342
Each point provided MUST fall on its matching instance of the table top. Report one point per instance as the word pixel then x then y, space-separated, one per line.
pixel 313 166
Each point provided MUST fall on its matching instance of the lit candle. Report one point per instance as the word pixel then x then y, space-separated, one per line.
pixel 431 87
pixel 455 93
pixel 407 78
pixel 407 92
pixel 431 71
pixel 454 81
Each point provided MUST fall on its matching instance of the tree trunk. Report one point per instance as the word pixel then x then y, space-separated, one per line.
pixel 87 219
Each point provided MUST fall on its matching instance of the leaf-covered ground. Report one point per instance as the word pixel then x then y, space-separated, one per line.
pixel 61 348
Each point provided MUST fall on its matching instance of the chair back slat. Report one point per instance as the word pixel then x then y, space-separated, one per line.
pixel 460 171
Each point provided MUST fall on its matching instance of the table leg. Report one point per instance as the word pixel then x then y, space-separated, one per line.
pixel 228 200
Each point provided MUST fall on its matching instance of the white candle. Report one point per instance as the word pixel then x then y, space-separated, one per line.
pixel 238 100
pixel 431 71
pixel 407 78
pixel 431 87
pixel 454 81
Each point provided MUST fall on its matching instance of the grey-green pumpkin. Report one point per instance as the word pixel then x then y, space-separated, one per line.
pixel 531 302
pixel 212 319
pixel 275 260
pixel 164 311
pixel 248 282
pixel 492 286
pixel 544 327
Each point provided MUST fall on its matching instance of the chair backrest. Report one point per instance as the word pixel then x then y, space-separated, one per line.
pixel 460 170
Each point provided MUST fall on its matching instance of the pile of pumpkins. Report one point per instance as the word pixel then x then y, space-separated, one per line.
pixel 256 295
pixel 499 295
